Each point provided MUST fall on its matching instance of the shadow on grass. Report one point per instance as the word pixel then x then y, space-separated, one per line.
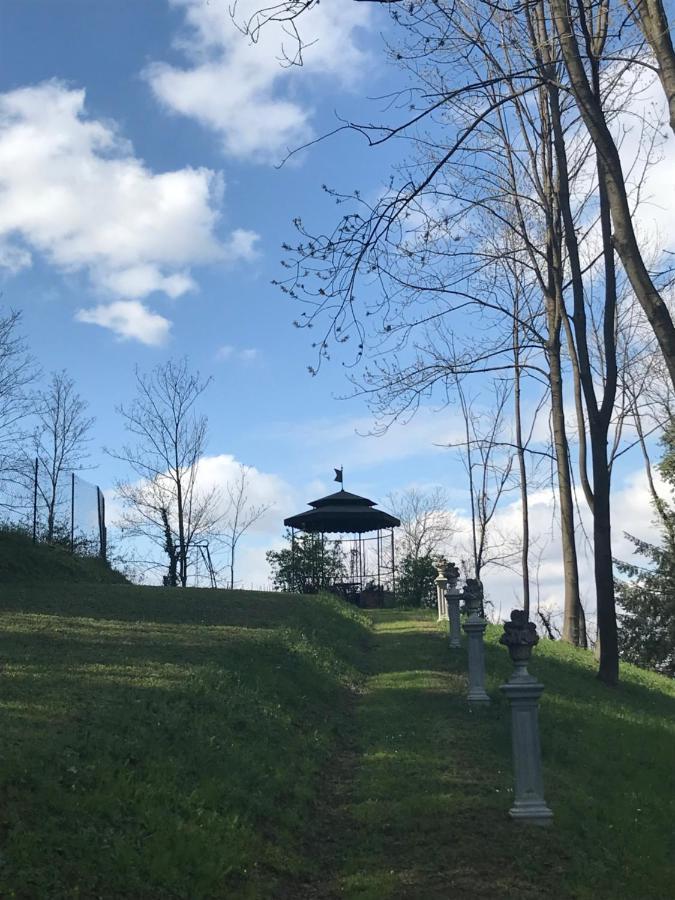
pixel 152 759
pixel 426 815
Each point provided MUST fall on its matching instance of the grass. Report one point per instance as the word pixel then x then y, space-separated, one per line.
pixel 160 743
pixel 204 744
pixel 23 562
pixel 431 779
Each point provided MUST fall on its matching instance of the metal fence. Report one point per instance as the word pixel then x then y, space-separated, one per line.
pixel 77 513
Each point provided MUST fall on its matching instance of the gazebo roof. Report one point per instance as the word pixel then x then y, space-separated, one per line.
pixel 342 512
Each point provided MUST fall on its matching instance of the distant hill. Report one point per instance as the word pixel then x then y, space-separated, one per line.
pixel 23 562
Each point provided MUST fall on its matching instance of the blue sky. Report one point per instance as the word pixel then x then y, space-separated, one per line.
pixel 143 214
pixel 232 323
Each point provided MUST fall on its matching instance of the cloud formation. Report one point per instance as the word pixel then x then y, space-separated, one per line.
pixel 72 191
pixel 245 354
pixel 240 89
pixel 128 319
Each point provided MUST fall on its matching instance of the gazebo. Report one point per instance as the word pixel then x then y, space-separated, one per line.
pixel 352 517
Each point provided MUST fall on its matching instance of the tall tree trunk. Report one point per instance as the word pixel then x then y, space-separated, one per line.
pixel 569 548
pixel 525 564
pixel 180 511
pixel 652 21
pixel 603 566
pixel 624 238
pixel 599 416
pixel 579 407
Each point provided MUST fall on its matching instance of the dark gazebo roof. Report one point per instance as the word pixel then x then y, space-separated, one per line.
pixel 342 512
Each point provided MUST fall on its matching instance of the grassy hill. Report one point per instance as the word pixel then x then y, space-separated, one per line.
pixel 23 562
pixel 194 744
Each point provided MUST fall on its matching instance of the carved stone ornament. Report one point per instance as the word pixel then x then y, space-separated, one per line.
pixel 520 636
pixel 473 596
pixel 452 573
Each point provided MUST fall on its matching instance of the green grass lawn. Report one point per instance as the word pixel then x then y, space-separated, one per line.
pixel 161 743
pixel 198 744
pixel 427 780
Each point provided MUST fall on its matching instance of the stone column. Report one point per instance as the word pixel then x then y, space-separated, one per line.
pixel 524 691
pixel 475 628
pixel 441 582
pixel 452 596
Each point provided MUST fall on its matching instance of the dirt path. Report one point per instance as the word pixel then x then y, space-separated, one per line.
pixel 414 805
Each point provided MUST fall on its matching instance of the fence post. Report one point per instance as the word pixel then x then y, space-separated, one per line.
pixel 35 493
pixel 102 537
pixel 72 512
pixel 104 532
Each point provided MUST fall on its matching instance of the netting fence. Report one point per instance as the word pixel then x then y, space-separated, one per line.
pixel 72 513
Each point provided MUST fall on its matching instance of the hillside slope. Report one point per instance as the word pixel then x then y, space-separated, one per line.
pixel 163 743
pixel 23 562
pixel 198 744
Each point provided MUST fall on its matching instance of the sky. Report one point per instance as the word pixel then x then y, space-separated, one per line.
pixel 143 205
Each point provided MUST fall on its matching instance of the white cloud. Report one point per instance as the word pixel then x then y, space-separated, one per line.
pixel 631 512
pixel 129 319
pixel 72 190
pixel 227 351
pixel 240 89
pixel 263 489
pixel 646 116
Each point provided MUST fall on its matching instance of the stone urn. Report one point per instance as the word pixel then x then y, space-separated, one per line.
pixel 473 597
pixel 520 637
pixel 452 574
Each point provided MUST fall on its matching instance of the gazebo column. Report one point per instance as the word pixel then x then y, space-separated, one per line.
pixel 294 574
pixel 393 567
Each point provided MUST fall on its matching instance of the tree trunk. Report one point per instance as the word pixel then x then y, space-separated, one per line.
pixel 603 567
pixel 624 239
pixel 569 549
pixel 599 415
pixel 525 564
pixel 180 510
pixel 652 21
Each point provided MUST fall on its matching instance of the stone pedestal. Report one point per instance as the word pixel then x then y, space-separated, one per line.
pixel 441 581
pixel 452 598
pixel 475 628
pixel 524 691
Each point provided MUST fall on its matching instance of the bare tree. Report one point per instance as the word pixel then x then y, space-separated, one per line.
pixel 542 79
pixel 426 522
pixel 60 439
pixel 488 460
pixel 166 504
pixel 579 35
pixel 17 372
pixel 241 514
